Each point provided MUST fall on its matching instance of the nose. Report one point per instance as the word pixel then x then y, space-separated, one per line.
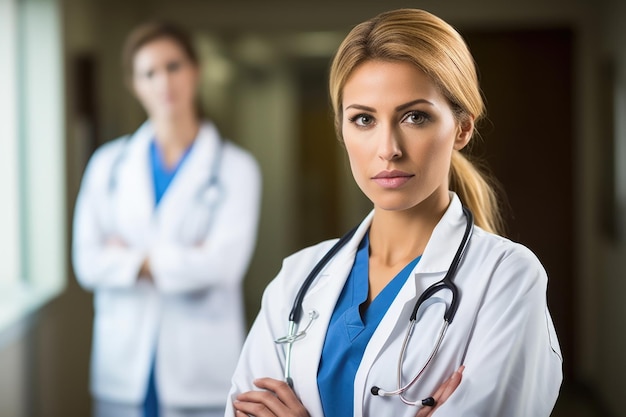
pixel 166 79
pixel 162 80
pixel 389 147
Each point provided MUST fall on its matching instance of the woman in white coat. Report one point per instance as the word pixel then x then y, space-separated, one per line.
pixel 164 230
pixel 406 99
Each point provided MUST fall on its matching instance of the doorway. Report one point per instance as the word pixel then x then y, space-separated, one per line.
pixel 528 143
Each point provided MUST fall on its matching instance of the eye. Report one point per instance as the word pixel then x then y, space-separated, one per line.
pixel 416 117
pixel 173 66
pixel 148 74
pixel 362 120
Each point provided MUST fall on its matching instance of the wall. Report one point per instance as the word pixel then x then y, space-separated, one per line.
pixel 13 381
pixel 611 272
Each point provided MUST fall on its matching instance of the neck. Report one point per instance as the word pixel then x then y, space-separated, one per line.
pixel 397 237
pixel 174 136
pixel 176 133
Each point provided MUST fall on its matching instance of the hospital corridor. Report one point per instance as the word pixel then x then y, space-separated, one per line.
pixel 254 83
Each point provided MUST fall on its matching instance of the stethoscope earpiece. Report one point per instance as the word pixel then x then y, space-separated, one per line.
pixel 428 402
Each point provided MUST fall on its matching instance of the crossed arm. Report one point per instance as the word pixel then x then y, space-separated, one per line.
pixel 276 399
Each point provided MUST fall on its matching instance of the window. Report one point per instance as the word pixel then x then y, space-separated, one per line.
pixel 32 207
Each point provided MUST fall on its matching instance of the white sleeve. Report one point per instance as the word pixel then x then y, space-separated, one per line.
pixel 513 361
pixel 96 264
pixel 223 258
pixel 261 356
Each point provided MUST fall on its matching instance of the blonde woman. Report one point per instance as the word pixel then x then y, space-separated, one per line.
pixel 425 310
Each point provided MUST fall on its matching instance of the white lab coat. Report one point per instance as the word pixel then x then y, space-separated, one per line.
pixel 193 315
pixel 502 331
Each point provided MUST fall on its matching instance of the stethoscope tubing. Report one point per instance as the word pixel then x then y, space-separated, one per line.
pixel 296 309
pixel 446 283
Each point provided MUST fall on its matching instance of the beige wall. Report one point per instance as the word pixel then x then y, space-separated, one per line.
pixel 54 352
pixel 13 401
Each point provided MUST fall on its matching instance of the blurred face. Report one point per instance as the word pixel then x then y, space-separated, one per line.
pixel 164 79
pixel 399 132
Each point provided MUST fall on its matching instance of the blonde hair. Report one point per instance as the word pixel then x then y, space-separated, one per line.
pixel 437 49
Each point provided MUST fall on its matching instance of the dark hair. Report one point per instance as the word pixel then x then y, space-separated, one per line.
pixel 149 32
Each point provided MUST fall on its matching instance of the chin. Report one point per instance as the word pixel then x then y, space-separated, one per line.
pixel 169 113
pixel 394 204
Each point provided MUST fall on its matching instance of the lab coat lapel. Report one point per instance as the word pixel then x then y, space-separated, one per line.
pixel 134 188
pixel 192 176
pixel 322 297
pixel 431 268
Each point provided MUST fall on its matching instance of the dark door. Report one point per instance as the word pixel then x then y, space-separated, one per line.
pixel 528 144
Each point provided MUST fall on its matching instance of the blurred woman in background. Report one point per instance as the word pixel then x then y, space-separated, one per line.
pixel 164 230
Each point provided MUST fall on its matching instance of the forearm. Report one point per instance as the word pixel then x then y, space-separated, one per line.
pixel 178 268
pixel 107 267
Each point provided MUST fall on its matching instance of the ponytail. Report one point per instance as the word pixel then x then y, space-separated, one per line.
pixel 477 191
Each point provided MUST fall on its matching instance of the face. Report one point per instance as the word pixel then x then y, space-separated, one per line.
pixel 399 132
pixel 164 79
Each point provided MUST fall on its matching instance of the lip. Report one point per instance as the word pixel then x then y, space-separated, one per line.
pixel 392 179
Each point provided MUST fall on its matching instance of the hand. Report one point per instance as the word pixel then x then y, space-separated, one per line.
pixel 116 242
pixel 276 399
pixel 144 271
pixel 443 393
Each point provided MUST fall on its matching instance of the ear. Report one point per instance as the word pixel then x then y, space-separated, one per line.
pixel 465 130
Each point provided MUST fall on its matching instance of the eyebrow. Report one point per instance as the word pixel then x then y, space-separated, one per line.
pixel 399 108
pixel 411 103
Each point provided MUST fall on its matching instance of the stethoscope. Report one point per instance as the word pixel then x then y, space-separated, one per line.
pixel 210 194
pixel 445 284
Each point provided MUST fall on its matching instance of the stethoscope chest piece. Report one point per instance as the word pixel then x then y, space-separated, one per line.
pixel 211 195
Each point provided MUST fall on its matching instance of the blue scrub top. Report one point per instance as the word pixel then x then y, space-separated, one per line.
pixel 161 174
pixel 350 330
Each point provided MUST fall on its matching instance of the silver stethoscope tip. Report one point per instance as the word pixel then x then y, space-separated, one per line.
pixel 292 336
pixel 378 392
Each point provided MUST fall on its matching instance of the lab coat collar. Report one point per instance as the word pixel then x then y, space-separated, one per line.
pixel 441 247
pixel 445 239
pixel 322 297
pixel 193 175
pixel 134 175
pixel 133 182
pixel 434 262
